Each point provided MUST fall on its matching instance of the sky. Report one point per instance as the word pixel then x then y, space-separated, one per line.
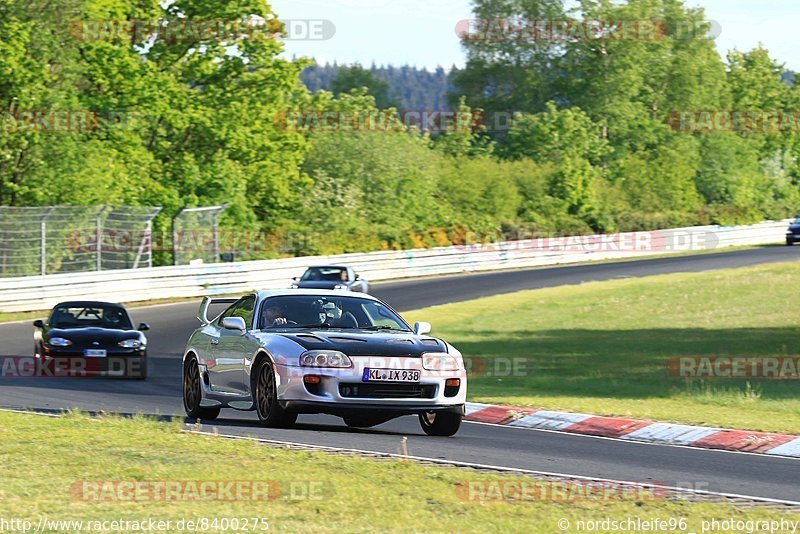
pixel 422 32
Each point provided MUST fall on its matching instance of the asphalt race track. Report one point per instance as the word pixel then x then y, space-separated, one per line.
pixel 745 474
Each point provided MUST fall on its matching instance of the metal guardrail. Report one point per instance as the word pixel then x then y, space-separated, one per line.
pixel 43 292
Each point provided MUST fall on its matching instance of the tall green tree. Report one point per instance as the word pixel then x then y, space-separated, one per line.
pixel 355 77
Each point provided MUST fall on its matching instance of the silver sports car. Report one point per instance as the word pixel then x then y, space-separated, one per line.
pixel 289 352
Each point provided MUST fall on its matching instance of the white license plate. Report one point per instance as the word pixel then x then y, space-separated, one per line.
pixel 391 375
pixel 95 353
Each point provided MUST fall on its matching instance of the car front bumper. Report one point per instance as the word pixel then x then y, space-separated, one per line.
pixel 343 391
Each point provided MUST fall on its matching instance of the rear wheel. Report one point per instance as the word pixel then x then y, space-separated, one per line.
pixel 270 413
pixel 440 423
pixel 192 394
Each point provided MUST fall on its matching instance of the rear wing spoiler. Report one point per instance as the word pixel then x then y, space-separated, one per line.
pixel 202 313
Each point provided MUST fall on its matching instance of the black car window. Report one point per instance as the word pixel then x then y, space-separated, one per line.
pixel 229 312
pixel 90 316
pixel 335 311
pixel 243 308
pixel 325 274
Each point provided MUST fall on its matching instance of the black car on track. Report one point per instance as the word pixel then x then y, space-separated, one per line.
pixel 87 338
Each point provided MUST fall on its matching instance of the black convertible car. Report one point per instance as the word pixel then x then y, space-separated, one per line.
pixel 85 338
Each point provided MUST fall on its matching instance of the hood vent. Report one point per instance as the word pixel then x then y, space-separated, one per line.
pixel 400 341
pixel 312 337
pixel 346 340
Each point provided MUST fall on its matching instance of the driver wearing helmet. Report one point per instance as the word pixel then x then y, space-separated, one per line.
pixel 331 313
pixel 273 316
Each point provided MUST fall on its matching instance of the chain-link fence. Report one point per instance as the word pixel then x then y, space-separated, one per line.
pixel 196 237
pixel 60 239
pixel 127 237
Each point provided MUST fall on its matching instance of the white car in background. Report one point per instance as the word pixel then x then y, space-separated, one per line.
pixel 331 277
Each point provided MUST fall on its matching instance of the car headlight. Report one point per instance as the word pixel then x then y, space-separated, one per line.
pixel 325 358
pixel 440 361
pixel 130 344
pixel 59 342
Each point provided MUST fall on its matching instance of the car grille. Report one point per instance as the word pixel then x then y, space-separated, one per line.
pixel 387 391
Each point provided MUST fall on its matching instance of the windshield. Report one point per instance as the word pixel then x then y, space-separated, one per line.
pixel 325 274
pixel 86 316
pixel 311 311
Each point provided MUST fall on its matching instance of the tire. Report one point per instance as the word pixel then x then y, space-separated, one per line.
pixel 270 413
pixel 440 423
pixel 192 394
pixel 789 242
pixel 364 421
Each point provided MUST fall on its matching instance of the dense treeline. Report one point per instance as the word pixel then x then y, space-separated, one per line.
pixel 405 87
pixel 197 118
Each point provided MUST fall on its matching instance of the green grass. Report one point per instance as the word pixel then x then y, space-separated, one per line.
pixel 42 458
pixel 603 347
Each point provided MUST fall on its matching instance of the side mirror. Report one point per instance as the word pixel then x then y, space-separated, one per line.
pixel 296 278
pixel 422 328
pixel 38 323
pixel 234 323
pixel 143 327
pixel 358 277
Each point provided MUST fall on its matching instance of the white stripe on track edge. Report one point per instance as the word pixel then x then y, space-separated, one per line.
pixel 639 442
pixel 453 463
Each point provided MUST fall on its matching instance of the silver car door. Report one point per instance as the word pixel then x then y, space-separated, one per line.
pixel 217 367
pixel 233 349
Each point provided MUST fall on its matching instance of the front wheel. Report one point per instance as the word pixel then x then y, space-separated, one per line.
pixel 440 423
pixel 270 413
pixel 192 394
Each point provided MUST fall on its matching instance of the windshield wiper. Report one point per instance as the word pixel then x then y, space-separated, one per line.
pixel 309 326
pixel 380 327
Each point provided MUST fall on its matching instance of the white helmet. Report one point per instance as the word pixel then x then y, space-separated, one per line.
pixel 330 311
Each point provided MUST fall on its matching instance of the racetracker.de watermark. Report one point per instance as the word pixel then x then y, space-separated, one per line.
pixel 174 31
pixel 378 121
pixel 197 490
pixel 69 366
pixel 766 367
pixel 739 121
pixel 56 120
pixel 522 30
pixel 559 491
pixel 629 242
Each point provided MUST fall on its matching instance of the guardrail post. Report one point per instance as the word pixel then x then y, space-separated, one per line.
pixel 150 238
pixel 43 240
pixel 175 236
pixel 99 239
